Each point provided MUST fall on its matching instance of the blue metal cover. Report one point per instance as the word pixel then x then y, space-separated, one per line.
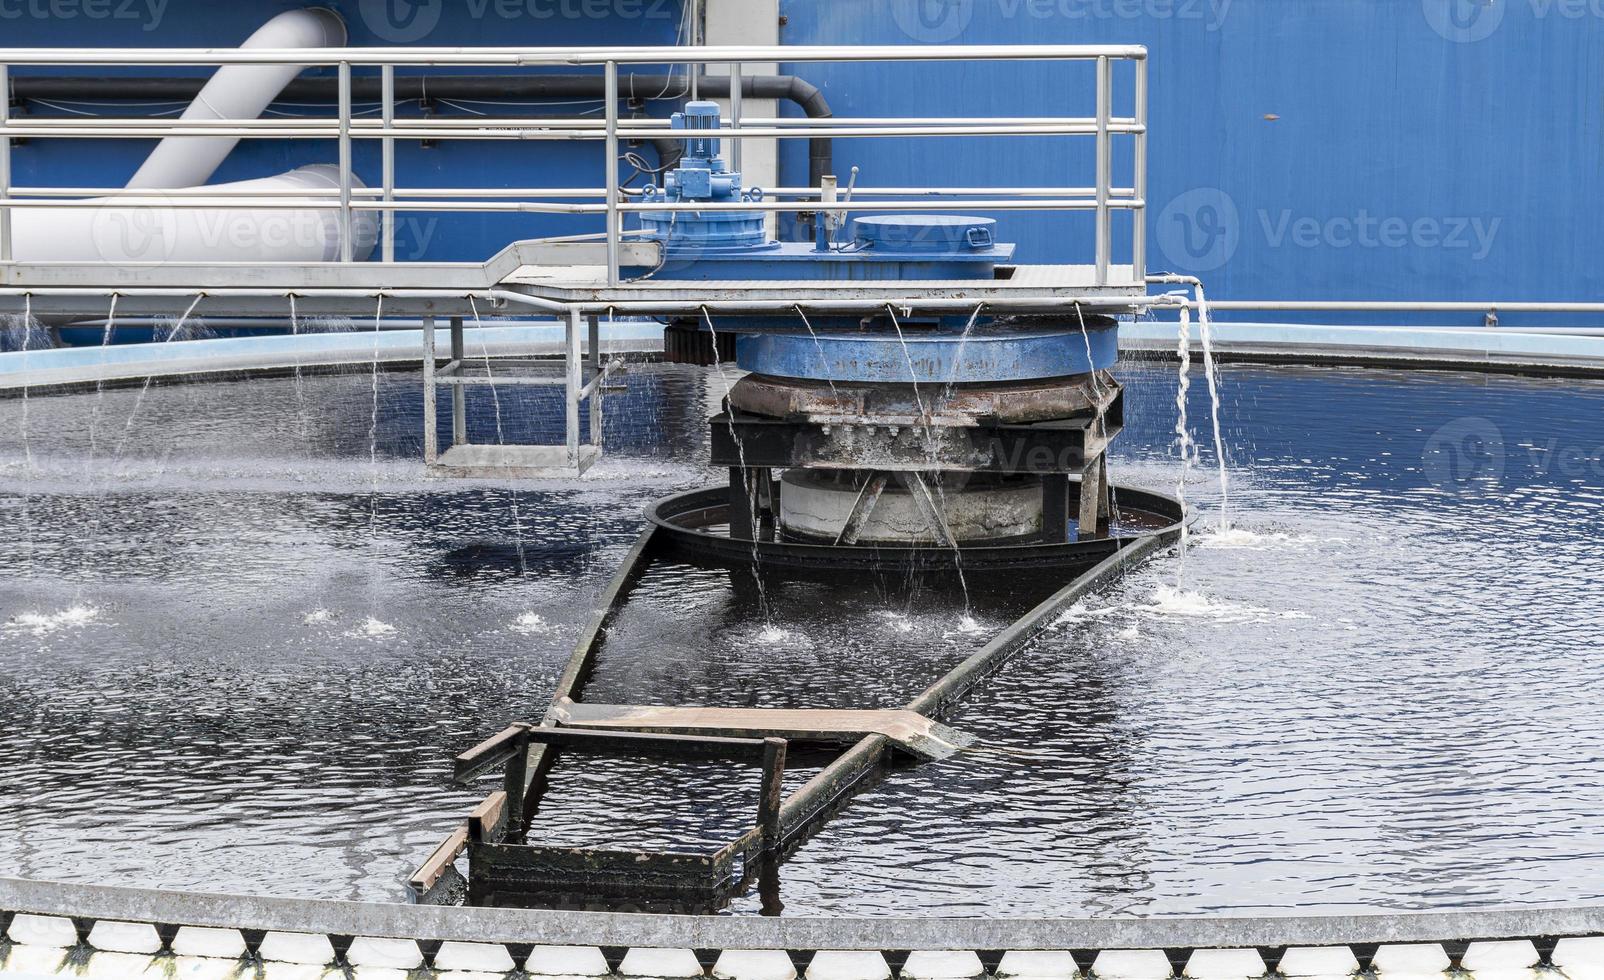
pixel 988 354
pixel 925 232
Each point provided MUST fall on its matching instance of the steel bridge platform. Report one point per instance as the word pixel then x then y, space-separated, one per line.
pixel 526 278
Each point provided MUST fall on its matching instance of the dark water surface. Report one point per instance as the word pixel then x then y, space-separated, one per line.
pixel 240 640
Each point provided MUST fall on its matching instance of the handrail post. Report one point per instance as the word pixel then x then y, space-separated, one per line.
pixel 614 229
pixel 5 165
pixel 1104 161
pixel 347 228
pixel 387 84
pixel 1139 179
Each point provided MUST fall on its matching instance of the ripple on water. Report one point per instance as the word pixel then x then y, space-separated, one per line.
pixel 1377 691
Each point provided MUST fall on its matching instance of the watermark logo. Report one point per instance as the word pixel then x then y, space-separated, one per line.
pixel 147 13
pixel 1466 453
pixel 932 21
pixel 1200 230
pixel 1473 233
pixel 401 21
pixel 940 21
pixel 1464 21
pixel 136 234
pixel 406 21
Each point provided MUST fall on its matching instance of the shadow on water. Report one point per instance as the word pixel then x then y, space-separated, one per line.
pixel 491 559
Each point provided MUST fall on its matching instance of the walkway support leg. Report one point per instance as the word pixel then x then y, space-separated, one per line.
pixel 573 364
pixel 459 395
pixel 431 436
pixel 1093 499
pixel 594 360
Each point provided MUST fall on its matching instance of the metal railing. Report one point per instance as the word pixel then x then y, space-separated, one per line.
pixel 612 201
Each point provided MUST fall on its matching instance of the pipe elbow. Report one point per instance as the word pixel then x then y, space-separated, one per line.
pixel 308 27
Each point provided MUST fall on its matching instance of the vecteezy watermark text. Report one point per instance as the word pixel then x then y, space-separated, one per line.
pixel 147 13
pixel 1201 230
pixel 1364 230
pixel 1472 454
pixel 941 21
pixel 406 21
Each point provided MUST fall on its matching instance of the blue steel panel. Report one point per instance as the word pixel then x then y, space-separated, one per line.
pixel 930 358
pixel 1301 149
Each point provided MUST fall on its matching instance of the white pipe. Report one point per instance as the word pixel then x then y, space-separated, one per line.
pixel 158 232
pixel 238 92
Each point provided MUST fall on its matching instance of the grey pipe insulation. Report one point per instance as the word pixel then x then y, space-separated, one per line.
pixel 322 90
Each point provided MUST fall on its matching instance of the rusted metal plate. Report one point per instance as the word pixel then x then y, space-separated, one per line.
pixel 913 732
pixel 1016 403
pixel 490 754
pixel 752 441
pixel 438 863
pixel 602 874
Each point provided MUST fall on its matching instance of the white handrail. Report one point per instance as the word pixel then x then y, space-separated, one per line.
pixel 616 201
pixel 492 56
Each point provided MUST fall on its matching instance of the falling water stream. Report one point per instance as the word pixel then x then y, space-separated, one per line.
pixel 27 444
pixel 1205 333
pixel 750 490
pixel 301 419
pixel 501 437
pixel 1183 434
pixel 829 376
pixel 936 501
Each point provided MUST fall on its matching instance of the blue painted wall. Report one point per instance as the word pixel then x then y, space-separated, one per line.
pixel 1330 149
pixel 1316 149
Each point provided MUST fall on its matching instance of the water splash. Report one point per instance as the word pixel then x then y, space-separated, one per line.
pixel 901 622
pixel 967 626
pixel 1173 602
pixel 1169 601
pixel 531 624
pixel 43 624
pixel 776 636
pixel 1242 539
pixel 318 617
pixel 372 628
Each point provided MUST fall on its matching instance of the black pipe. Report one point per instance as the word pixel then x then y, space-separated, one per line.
pixel 802 93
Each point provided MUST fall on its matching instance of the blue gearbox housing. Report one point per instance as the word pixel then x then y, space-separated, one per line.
pixel 718 245
pixel 732 244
